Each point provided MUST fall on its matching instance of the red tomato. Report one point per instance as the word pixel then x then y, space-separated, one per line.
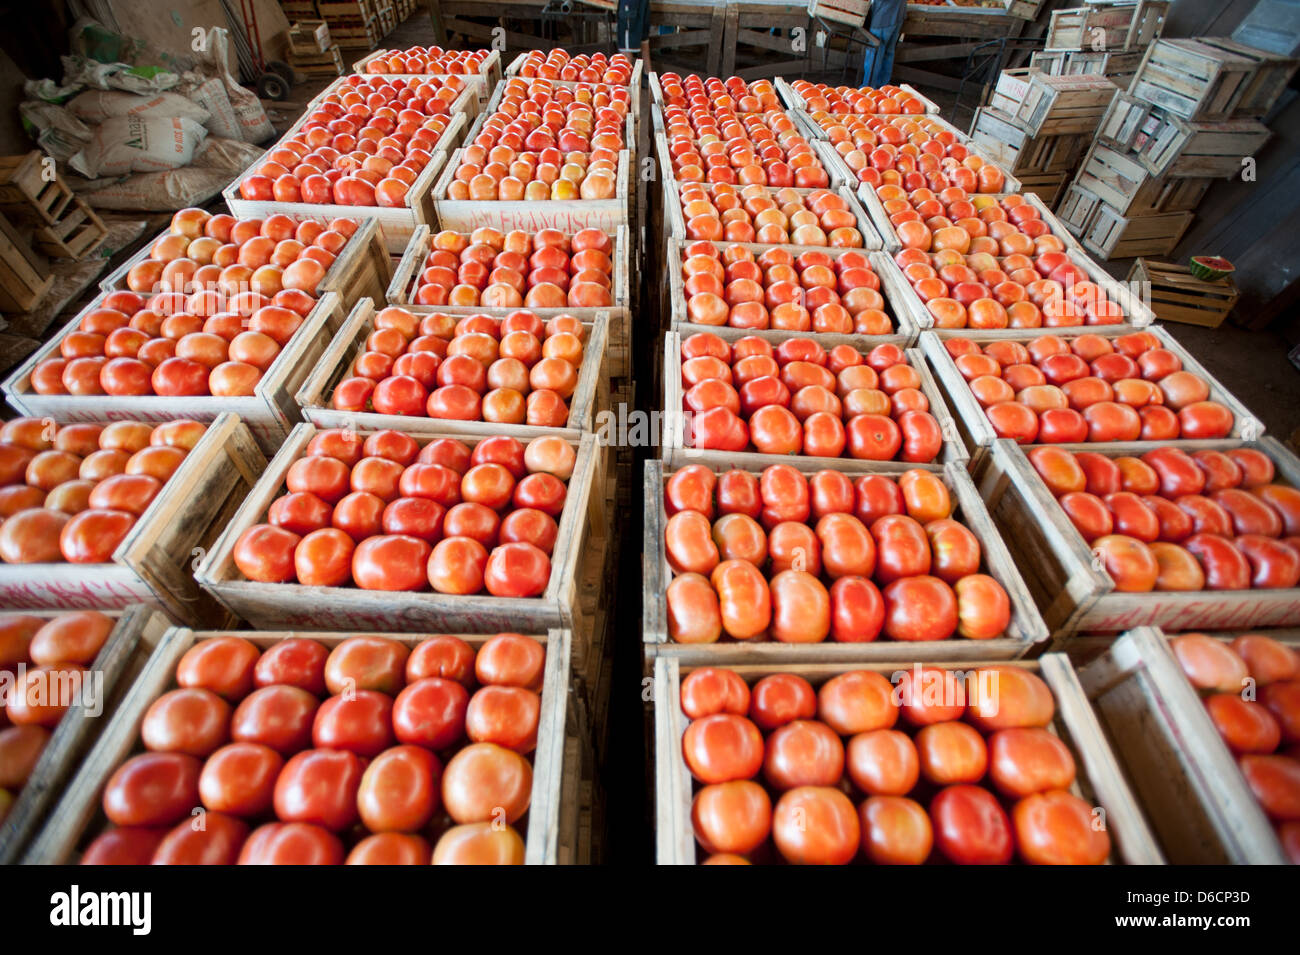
pixel 294 662
pixel 390 848
pixel 450 658
pixel 217 842
pixel 399 790
pixel 479 843
pixel 733 817
pixel 895 830
pixel 710 690
pixel 1029 760
pixel 359 722
pixel 152 789
pixel 722 747
pixel 126 845
pixel 857 702
pixel 293 843
pixel 505 715
pixel 366 663
pixel 920 608
pixel 816 825
pixel 970 828
pixel 483 781
pixel 803 753
pixel 319 786
pixel 1007 697
pixel 952 752
pixel 239 779
pixel 279 717
pixel 1058 828
pixel 431 713
pixel 509 659
pixel 193 721
pixel 223 665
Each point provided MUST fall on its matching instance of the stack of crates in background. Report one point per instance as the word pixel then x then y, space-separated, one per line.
pixel 403 9
pixel 1037 126
pixel 296 10
pixel 1101 39
pixel 1191 115
pixel 355 25
pixel 311 50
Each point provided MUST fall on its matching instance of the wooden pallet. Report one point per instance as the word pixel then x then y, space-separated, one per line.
pixel 1117 26
pixel 1074 595
pixel 1113 236
pixel 1100 780
pixel 1193 80
pixel 136 632
pixel 78 818
pixel 154 563
pixel 313 396
pixel 24 278
pixel 1178 296
pixel 1196 798
pixel 271 606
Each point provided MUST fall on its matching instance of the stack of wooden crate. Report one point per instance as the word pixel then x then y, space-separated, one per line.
pixel 1101 39
pixel 354 25
pixel 312 50
pixel 1036 126
pixel 1191 115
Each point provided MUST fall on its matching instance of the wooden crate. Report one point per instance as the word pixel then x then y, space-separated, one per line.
pixel 1021 153
pixel 153 564
pixel 1271 77
pixel 1074 595
pixel 1193 80
pixel 128 646
pixel 905 327
pixel 1046 186
pixel 1119 68
pixel 902 297
pixel 401 291
pixel 1044 105
pixel 1052 64
pixel 571 215
pixel 79 817
pixel 876 210
pixel 1178 296
pixel 975 429
pixel 1023 635
pixel 31 192
pixel 329 63
pixel 1100 779
pixel 675 217
pixel 1122 124
pixel 268 606
pixel 362 269
pixel 483 83
pixel 269 413
pixel 1113 236
pixel 23 276
pixel 1110 27
pixel 1199 804
pixel 309 37
pixel 1120 180
pixel 633 86
pixel 676 451
pixel 313 397
pixel 1171 146
pixel 793 99
pixel 395 224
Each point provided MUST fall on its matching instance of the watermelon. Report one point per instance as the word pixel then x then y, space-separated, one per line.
pixel 1210 268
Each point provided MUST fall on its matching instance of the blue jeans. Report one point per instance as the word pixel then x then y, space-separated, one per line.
pixel 885 24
